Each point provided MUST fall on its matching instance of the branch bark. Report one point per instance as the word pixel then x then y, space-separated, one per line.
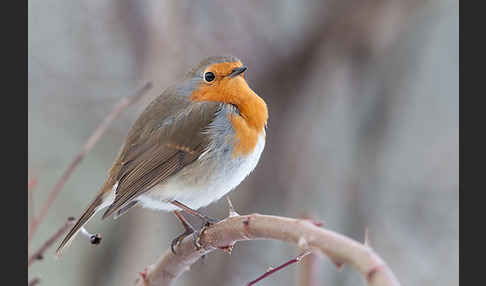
pixel 340 249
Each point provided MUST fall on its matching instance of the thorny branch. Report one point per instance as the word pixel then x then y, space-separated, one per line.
pixel 92 140
pixel 223 235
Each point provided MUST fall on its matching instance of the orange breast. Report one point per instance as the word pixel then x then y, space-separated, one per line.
pixel 246 137
pixel 253 110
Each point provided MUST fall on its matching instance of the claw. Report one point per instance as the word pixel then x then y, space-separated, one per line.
pixel 207 222
pixel 177 241
pixel 195 239
pixel 189 229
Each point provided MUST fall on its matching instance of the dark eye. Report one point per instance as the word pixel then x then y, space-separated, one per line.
pixel 209 76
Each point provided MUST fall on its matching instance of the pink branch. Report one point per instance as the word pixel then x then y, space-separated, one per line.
pixel 273 270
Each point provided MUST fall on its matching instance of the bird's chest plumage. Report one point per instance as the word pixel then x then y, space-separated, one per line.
pixel 217 171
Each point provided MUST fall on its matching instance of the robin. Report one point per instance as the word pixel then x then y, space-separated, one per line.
pixel 191 146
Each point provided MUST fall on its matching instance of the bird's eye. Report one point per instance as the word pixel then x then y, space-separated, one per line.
pixel 209 76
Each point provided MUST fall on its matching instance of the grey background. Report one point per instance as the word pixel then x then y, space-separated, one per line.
pixel 363 128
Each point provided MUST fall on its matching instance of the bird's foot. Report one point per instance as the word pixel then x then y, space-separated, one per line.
pixel 196 235
pixel 176 241
pixel 189 229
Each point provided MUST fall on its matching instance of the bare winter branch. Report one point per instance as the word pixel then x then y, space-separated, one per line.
pixel 339 248
pixel 280 267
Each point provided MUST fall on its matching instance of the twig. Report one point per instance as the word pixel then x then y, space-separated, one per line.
pixel 40 252
pixel 92 140
pixel 367 238
pixel 273 270
pixel 339 248
pixel 34 281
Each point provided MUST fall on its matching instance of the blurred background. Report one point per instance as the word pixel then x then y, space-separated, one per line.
pixel 363 131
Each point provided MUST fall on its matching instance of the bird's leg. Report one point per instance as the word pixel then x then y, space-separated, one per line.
pixel 189 229
pixel 207 221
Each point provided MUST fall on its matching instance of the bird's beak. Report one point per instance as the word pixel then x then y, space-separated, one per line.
pixel 237 71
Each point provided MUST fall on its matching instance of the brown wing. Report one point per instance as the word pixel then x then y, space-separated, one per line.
pixel 157 149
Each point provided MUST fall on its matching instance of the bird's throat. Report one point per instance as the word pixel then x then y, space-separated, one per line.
pixel 251 121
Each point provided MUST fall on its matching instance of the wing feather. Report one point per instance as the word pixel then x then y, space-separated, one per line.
pixel 152 159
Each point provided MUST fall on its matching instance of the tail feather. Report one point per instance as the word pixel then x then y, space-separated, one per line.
pixel 93 207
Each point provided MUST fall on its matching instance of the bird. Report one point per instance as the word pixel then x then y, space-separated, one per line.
pixel 192 145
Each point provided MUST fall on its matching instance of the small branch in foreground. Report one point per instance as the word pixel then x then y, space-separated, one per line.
pixel 273 270
pixel 340 249
pixel 92 140
pixel 40 252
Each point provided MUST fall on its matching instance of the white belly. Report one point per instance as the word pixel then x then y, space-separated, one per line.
pixel 223 174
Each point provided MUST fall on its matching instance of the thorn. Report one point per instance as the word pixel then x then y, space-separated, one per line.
pixel 246 222
pixel 372 272
pixel 143 274
pixel 302 243
pixel 318 223
pixel 232 211
pixel 366 237
pixel 302 255
pixel 311 220
pixel 315 222
pixel 339 265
